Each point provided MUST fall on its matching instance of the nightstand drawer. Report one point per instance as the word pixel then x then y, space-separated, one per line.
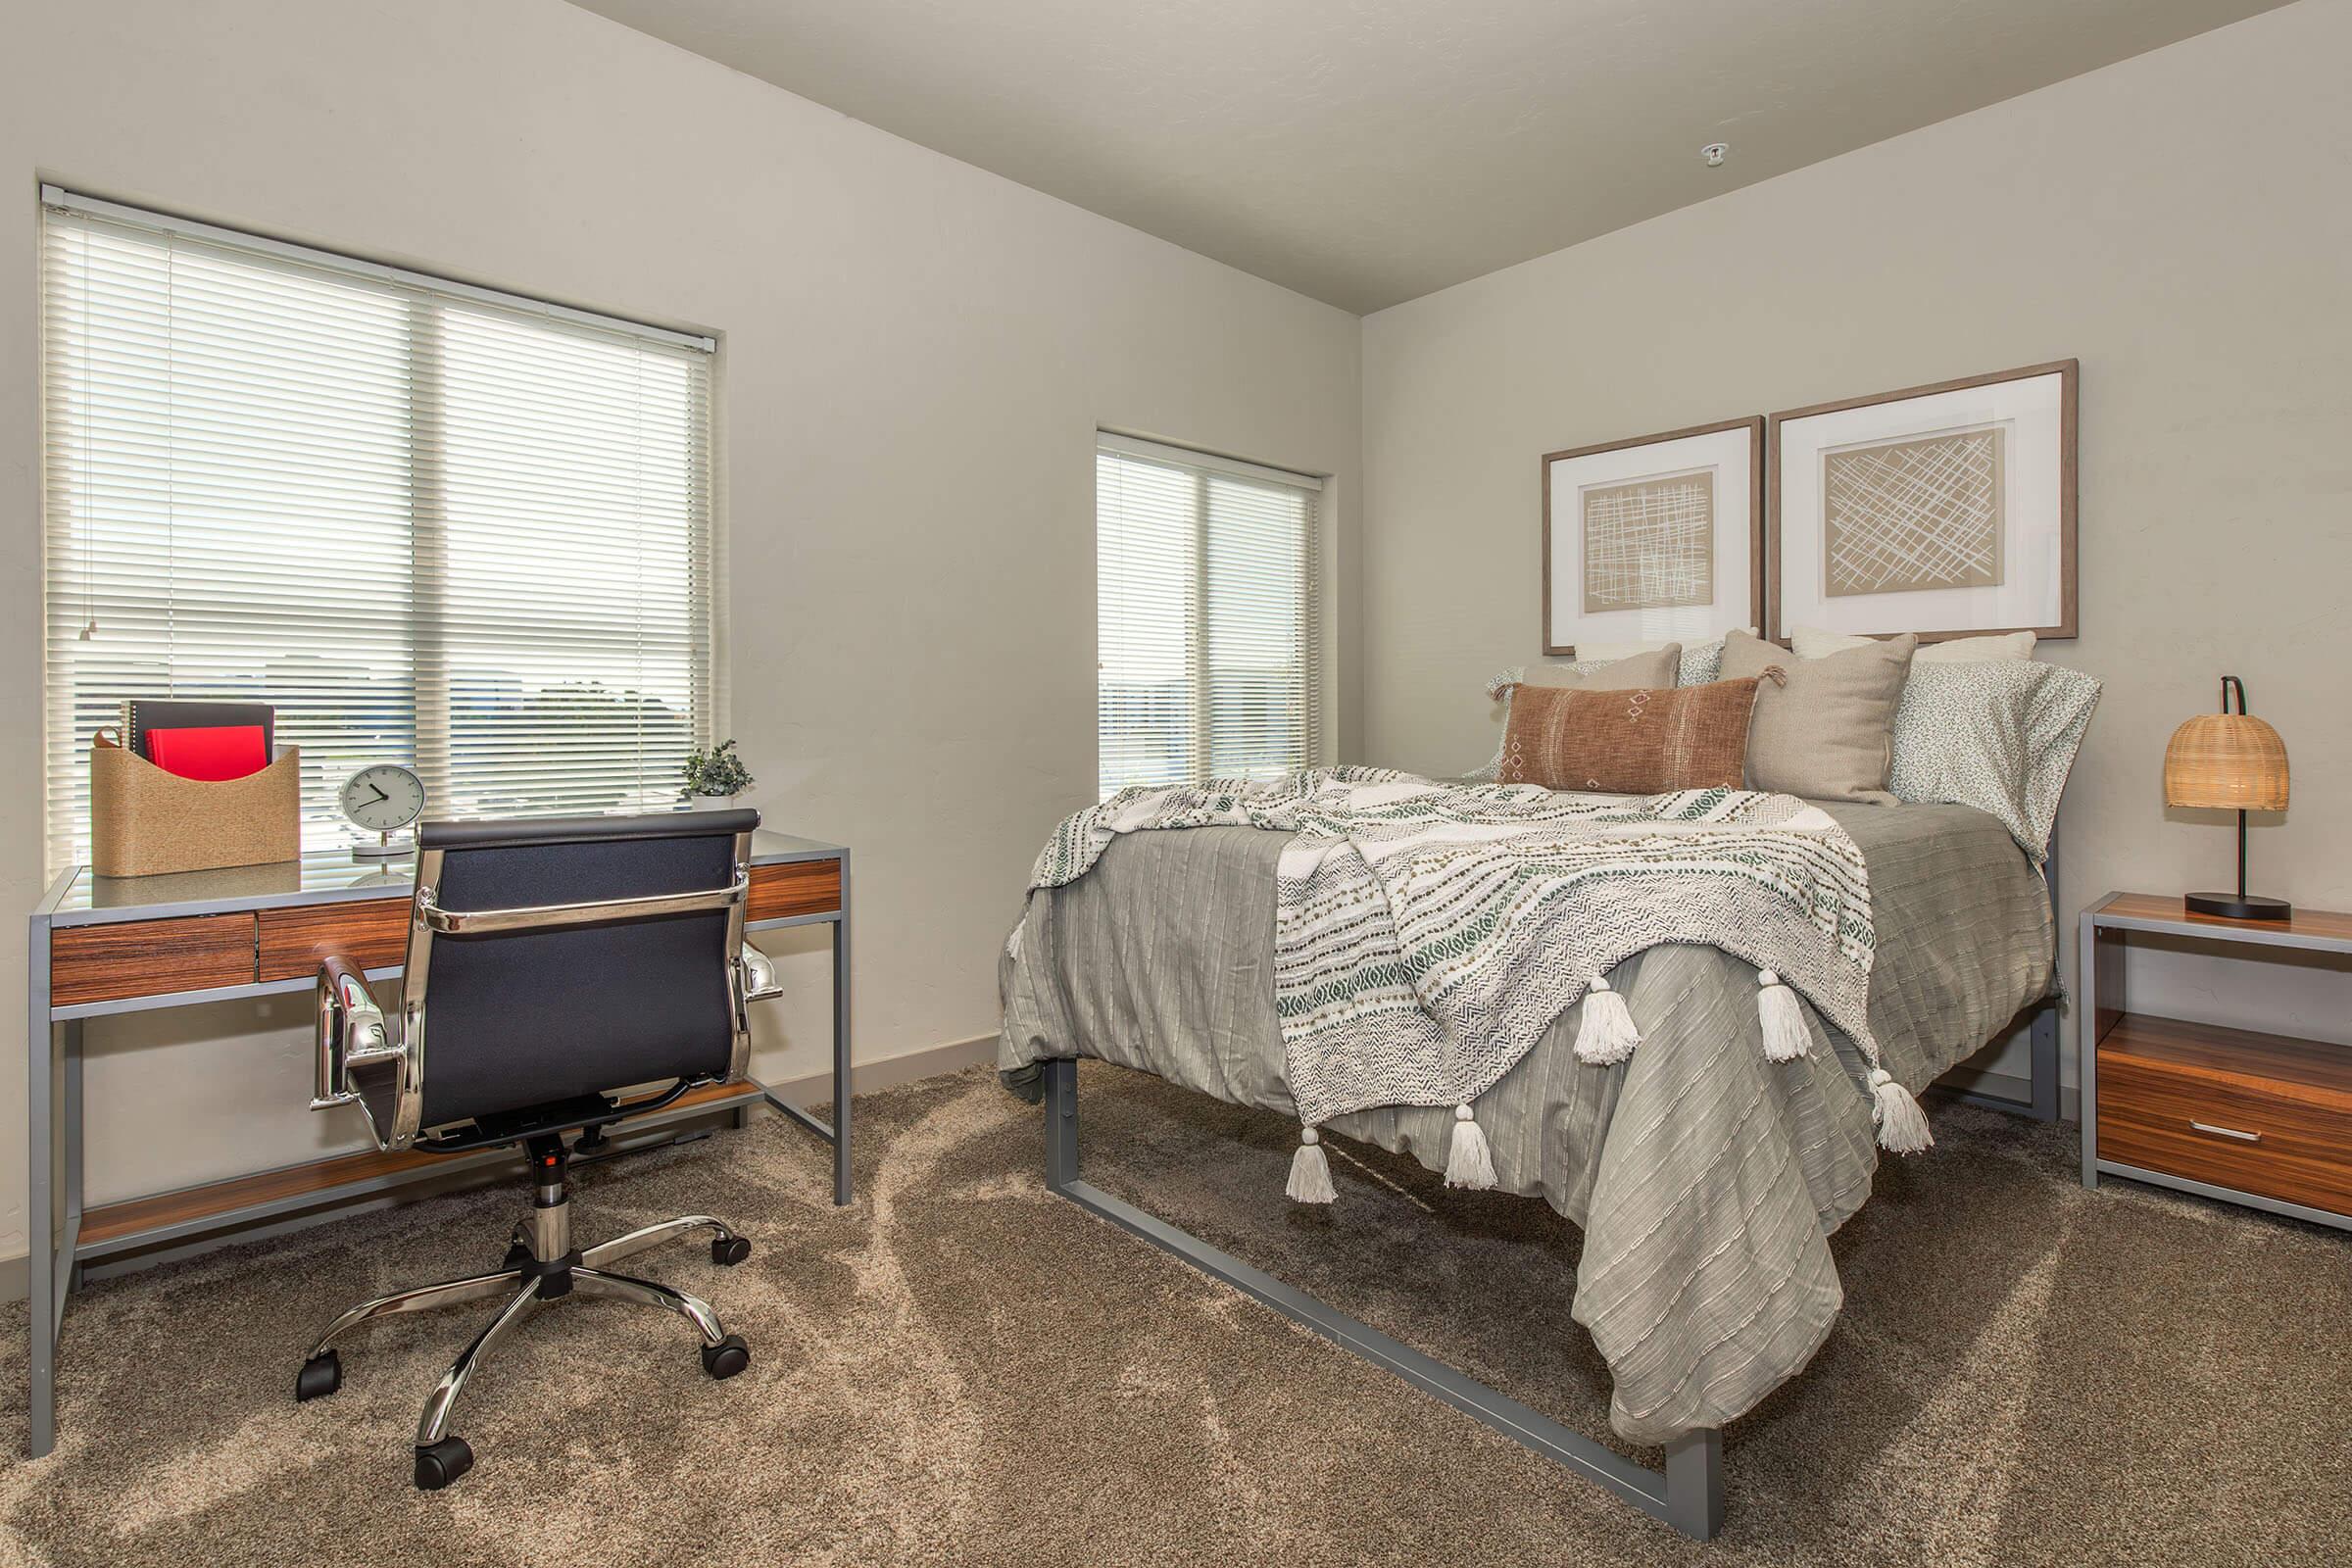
pixel 2281 1141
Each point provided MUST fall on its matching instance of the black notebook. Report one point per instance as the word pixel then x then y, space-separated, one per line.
pixel 142 713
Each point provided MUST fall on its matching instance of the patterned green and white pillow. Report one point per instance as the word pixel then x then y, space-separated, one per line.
pixel 1702 664
pixel 1999 735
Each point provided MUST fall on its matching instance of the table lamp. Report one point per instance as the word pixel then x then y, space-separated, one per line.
pixel 2232 763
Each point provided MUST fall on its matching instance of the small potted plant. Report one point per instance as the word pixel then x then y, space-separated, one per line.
pixel 714 778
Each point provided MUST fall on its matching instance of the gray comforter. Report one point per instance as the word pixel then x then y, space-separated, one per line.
pixel 1706 1179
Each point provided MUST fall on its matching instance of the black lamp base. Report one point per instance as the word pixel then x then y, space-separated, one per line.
pixel 2238 906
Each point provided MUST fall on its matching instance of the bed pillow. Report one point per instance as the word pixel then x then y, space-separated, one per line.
pixel 1629 742
pixel 1999 735
pixel 1651 668
pixel 1609 652
pixel 1811 642
pixel 1703 662
pixel 1825 733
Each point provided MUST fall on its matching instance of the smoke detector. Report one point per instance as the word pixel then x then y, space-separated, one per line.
pixel 1714 153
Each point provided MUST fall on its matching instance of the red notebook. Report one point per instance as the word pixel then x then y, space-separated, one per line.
pixel 226 752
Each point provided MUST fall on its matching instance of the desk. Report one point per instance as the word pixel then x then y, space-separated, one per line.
pixel 101 946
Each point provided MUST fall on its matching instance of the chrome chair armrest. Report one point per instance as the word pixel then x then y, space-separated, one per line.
pixel 359 1060
pixel 759 973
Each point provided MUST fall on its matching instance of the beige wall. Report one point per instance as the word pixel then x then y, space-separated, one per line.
pixel 916 354
pixel 2180 222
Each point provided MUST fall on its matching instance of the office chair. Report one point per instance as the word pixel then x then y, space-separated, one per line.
pixel 560 964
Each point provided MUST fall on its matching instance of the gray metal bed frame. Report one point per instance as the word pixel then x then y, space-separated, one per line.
pixel 1688 1494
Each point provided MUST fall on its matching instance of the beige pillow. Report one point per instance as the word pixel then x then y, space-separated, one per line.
pixel 1651 669
pixel 1825 734
pixel 1585 652
pixel 1811 642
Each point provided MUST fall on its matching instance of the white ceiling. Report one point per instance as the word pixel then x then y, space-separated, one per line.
pixel 1369 150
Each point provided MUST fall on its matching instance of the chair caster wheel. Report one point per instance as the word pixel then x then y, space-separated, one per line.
pixel 518 1255
pixel 727 1357
pixel 320 1376
pixel 729 1251
pixel 440 1463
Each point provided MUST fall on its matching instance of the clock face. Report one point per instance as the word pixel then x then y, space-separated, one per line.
pixel 384 798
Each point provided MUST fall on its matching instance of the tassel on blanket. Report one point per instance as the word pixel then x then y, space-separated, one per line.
pixel 1785 1035
pixel 1468 1160
pixel 1902 1125
pixel 1310 1171
pixel 1607 1032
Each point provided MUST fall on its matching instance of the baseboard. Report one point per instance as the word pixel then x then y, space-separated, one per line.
pixel 815 1090
pixel 872 1077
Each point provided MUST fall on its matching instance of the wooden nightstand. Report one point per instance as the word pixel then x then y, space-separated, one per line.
pixel 2264 1120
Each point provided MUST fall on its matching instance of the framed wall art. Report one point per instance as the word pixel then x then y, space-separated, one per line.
pixel 1946 509
pixel 1655 539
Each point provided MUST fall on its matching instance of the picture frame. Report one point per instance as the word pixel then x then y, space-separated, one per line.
pixel 1654 538
pixel 1946 509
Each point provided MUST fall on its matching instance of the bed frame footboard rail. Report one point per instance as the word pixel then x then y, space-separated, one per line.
pixel 1688 1494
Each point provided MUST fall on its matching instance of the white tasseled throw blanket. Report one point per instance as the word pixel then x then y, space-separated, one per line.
pixel 1427 934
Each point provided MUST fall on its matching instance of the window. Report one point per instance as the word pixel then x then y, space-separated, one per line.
pixel 430 524
pixel 1205 578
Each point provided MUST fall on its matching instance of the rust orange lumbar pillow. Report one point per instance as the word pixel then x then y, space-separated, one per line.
pixel 1630 742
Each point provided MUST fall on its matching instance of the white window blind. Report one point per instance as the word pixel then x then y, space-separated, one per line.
pixel 1207 585
pixel 430 524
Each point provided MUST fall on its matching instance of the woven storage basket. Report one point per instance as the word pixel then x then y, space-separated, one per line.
pixel 145 821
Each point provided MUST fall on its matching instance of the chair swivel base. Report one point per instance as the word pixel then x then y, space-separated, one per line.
pixel 544 1269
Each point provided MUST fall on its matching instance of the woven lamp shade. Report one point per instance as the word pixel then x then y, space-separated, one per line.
pixel 2231 761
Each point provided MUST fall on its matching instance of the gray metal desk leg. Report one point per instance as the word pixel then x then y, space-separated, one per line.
pixel 1688 1494
pixel 40 1213
pixel 841 1044
pixel 74 1142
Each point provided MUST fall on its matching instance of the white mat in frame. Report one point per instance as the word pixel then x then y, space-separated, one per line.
pixel 1654 539
pixel 1946 510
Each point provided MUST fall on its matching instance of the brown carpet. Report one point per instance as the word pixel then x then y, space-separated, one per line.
pixel 961 1369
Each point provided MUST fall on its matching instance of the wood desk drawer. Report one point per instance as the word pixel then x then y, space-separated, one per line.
pixel 149 958
pixel 2281 1141
pixel 796 887
pixel 373 933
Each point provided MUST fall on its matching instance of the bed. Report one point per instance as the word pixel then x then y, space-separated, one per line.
pixel 1705 1177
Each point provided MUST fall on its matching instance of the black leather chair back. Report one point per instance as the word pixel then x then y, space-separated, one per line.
pixel 514 1020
